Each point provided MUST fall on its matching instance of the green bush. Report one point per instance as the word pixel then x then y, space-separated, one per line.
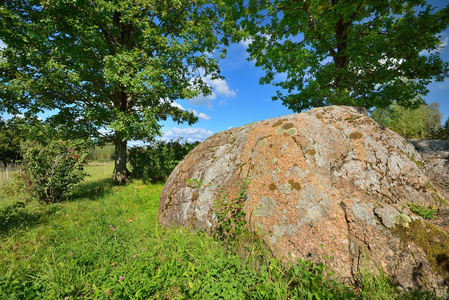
pixel 156 161
pixel 51 171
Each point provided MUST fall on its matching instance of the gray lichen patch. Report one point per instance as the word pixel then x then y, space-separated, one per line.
pixel 285 188
pixel 297 172
pixel 363 212
pixel 266 207
pixel 287 229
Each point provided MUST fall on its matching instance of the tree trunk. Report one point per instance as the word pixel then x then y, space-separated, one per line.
pixel 120 158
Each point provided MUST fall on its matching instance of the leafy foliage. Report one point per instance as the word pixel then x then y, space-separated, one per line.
pixel 118 64
pixel 230 215
pixel 157 160
pixel 411 123
pixel 51 171
pixel 360 53
pixel 426 213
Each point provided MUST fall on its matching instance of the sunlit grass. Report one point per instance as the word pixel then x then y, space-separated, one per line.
pixel 104 242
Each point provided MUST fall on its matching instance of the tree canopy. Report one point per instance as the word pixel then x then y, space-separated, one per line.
pixel 334 52
pixel 109 69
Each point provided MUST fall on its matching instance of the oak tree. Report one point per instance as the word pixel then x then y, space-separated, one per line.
pixel 109 69
pixel 335 52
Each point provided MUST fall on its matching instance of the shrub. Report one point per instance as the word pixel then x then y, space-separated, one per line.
pixel 159 159
pixel 51 171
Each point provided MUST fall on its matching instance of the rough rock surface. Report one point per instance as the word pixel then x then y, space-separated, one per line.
pixel 329 182
pixel 435 155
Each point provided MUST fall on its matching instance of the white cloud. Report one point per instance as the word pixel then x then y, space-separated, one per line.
pixel 200 115
pixel 2 45
pixel 206 100
pixel 188 134
pixel 444 42
pixel 219 88
pixel 245 43
pixel 177 105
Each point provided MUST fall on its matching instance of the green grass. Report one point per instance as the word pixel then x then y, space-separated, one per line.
pixel 104 242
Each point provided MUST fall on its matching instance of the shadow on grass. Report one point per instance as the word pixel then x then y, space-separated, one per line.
pixel 18 216
pixel 92 190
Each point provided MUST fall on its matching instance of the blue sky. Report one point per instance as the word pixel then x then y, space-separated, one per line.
pixel 239 99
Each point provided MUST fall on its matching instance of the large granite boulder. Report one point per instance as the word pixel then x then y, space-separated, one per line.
pixel 435 155
pixel 329 182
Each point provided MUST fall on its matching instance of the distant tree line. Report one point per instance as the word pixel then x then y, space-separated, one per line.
pixel 423 122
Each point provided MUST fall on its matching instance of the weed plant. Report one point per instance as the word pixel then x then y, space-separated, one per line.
pixel 426 213
pixel 104 242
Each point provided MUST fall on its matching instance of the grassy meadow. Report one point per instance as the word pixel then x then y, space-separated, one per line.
pixel 104 242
